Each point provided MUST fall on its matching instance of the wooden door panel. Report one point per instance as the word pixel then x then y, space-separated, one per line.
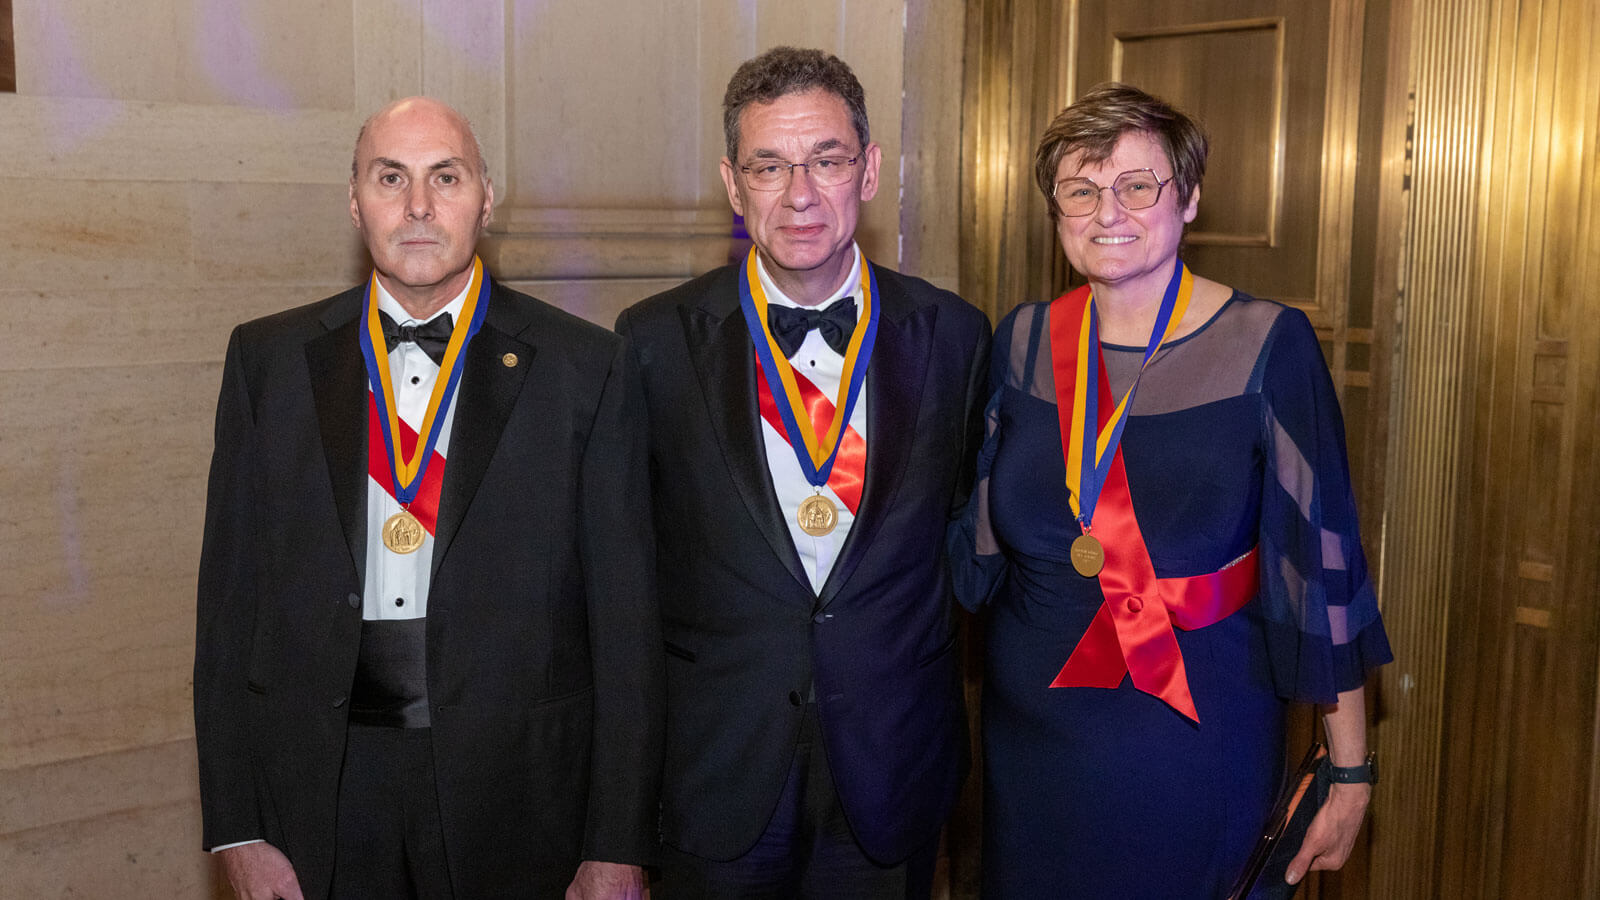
pixel 1256 74
pixel 1230 75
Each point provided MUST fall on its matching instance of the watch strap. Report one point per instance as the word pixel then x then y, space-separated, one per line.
pixel 1366 773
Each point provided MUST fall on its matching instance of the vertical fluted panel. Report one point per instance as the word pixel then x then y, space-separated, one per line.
pixel 1432 396
pixel 1489 568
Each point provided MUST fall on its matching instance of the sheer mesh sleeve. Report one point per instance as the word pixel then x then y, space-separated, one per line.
pixel 977 564
pixel 1323 626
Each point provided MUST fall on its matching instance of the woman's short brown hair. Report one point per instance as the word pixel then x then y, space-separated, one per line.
pixel 1093 125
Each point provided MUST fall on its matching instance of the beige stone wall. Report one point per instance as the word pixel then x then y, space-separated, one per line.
pixel 174 171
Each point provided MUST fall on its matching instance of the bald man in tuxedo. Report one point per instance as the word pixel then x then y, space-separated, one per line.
pixel 428 658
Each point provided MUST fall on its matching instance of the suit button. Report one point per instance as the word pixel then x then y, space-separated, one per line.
pixel 819 618
pixel 338 701
pixel 1135 604
pixel 354 600
pixel 795 699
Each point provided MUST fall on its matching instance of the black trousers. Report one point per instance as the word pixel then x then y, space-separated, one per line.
pixel 389 845
pixel 807 850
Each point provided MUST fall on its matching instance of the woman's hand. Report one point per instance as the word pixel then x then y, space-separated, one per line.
pixel 1333 831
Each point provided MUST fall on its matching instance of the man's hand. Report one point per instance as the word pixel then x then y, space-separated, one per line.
pixel 606 881
pixel 260 871
pixel 1333 832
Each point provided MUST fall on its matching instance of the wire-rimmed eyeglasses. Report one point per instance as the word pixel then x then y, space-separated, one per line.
pixel 775 174
pixel 1134 189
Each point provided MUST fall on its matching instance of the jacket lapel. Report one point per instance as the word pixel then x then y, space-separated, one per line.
pixel 339 389
pixel 894 398
pixel 488 391
pixel 724 359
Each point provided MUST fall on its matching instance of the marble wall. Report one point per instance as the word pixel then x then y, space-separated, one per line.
pixel 172 172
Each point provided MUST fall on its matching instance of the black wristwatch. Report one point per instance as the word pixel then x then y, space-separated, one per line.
pixel 1366 773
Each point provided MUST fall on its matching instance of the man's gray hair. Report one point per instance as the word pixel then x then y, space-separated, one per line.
pixel 790 70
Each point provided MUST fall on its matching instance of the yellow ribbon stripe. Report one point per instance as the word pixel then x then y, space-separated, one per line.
pixel 818 450
pixel 1087 378
pixel 406 470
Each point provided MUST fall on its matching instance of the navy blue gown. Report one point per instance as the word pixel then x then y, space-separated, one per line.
pixel 1234 441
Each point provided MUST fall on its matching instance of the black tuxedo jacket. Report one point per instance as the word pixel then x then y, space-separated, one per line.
pixel 544 661
pixel 746 636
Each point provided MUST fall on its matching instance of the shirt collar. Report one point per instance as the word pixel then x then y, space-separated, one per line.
pixel 390 305
pixel 852 282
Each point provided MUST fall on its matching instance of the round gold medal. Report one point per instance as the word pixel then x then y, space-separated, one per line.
pixel 402 533
pixel 818 516
pixel 1088 556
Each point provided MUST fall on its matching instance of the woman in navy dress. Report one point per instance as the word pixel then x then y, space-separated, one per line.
pixel 1119 762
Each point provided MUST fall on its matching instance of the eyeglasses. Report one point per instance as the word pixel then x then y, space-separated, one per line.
pixel 775 174
pixel 1135 189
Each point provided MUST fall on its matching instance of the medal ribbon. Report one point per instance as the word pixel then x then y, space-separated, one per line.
pixel 1085 473
pixel 426 505
pixel 815 454
pixel 407 468
pixel 1132 632
pixel 850 466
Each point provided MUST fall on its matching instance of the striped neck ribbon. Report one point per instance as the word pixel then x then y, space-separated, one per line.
pixel 407 470
pixel 816 453
pixel 1087 472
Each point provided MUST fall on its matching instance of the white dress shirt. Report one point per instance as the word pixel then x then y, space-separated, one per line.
pixel 392 576
pixel 823 367
pixel 396 584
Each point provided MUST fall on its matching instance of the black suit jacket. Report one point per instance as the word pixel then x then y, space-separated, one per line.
pixel 543 644
pixel 746 636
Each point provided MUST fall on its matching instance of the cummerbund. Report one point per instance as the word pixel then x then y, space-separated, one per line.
pixel 391 686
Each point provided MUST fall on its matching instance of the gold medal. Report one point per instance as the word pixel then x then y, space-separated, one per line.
pixel 818 516
pixel 1088 556
pixel 402 533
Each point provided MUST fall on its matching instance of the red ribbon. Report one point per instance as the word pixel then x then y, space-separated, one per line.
pixel 850 466
pixel 1131 633
pixel 426 506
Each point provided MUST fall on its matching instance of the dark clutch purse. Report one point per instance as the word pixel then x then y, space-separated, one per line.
pixel 1302 796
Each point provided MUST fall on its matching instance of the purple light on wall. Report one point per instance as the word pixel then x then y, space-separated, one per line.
pixel 229 49
pixel 56 68
pixel 54 64
pixel 447 24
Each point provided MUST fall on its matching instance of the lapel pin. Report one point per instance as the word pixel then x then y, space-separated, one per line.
pixel 509 360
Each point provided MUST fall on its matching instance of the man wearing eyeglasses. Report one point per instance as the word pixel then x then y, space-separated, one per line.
pixel 812 420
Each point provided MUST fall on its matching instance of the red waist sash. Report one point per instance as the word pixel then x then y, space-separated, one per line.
pixel 1132 631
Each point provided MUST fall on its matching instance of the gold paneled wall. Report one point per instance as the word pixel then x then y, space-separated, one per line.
pixel 1493 559
pixel 173 171
pixel 1433 392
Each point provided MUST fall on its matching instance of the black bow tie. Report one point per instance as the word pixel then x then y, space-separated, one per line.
pixel 790 325
pixel 431 337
